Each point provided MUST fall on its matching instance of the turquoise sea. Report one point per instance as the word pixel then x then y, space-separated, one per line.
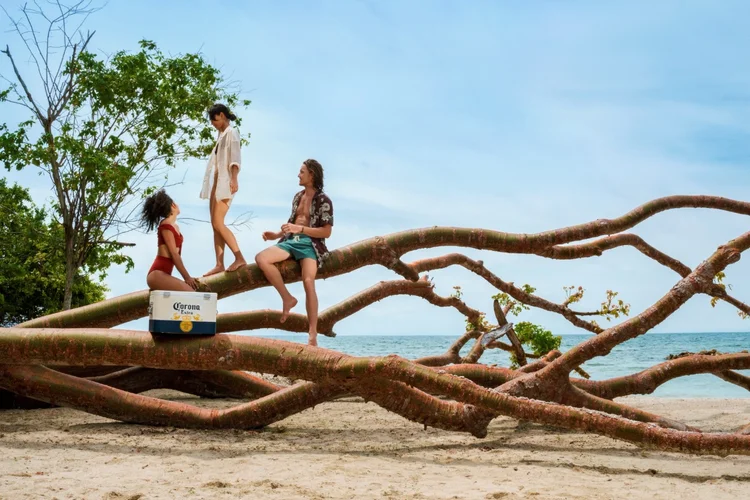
pixel 630 357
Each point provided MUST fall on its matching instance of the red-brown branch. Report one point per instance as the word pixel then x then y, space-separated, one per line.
pixel 60 389
pixel 735 378
pixel 233 322
pixel 452 354
pixel 647 381
pixel 386 251
pixel 23 346
pixel 57 388
pixel 699 281
pixel 736 303
pixel 207 383
pixel 511 334
pixel 477 267
pixel 580 399
pixel 599 246
pixel 527 395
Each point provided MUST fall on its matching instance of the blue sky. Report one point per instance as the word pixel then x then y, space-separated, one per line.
pixel 513 116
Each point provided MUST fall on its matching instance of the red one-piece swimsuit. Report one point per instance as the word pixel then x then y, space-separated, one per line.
pixel 165 263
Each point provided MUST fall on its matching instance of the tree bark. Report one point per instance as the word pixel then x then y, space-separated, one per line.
pixel 70 271
pixel 541 392
pixel 20 347
pixel 386 251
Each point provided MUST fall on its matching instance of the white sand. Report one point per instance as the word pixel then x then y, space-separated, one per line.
pixel 351 449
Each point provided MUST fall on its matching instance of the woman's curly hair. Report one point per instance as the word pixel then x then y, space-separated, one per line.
pixel 158 206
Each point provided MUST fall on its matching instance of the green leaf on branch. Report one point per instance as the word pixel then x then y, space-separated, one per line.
pixel 516 308
pixel 613 309
pixel 535 339
pixel 481 324
pixel 573 295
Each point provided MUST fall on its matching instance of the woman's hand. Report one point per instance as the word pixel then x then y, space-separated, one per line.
pixel 270 235
pixel 192 282
pixel 233 185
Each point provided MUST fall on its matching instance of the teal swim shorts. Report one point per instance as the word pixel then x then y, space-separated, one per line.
pixel 300 246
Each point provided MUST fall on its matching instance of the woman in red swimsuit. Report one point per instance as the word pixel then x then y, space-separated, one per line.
pixel 159 211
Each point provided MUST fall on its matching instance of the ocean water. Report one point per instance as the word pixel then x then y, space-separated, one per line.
pixel 630 357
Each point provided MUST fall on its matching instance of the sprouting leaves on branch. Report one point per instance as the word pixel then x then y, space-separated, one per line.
pixel 613 309
pixel 719 281
pixel 480 324
pixel 516 307
pixel 573 294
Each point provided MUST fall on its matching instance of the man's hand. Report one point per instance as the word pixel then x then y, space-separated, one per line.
pixel 291 228
pixel 270 235
pixel 233 185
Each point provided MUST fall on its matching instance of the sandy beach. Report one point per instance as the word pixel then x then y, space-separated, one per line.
pixel 350 449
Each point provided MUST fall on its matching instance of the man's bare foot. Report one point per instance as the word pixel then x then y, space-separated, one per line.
pixel 287 306
pixel 236 265
pixel 215 270
pixel 312 339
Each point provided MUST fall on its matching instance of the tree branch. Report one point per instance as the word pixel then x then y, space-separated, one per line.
pixel 42 119
pixel 233 322
pixel 700 280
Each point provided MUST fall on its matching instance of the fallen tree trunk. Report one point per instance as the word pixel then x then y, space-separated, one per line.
pixel 540 391
pixel 290 360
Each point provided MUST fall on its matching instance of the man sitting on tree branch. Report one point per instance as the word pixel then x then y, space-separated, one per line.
pixel 303 238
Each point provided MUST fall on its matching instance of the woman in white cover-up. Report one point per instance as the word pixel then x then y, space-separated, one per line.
pixel 220 185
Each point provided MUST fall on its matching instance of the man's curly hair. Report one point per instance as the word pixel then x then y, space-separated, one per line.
pixel 317 170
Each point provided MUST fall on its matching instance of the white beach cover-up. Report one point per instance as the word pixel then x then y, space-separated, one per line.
pixel 225 154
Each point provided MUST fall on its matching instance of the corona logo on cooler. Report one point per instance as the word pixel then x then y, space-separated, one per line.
pixel 182 312
pixel 186 308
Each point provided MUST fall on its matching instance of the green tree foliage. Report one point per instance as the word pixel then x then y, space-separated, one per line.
pixel 105 131
pixel 32 263
pixel 536 338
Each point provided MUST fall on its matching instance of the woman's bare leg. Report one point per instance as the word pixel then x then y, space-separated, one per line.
pixel 159 280
pixel 218 214
pixel 218 240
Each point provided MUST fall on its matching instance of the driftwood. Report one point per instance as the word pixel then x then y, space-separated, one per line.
pixel 448 391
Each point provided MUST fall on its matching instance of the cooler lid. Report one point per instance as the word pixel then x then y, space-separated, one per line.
pixel 192 295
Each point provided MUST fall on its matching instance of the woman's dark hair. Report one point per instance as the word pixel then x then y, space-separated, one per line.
pixel 317 170
pixel 217 108
pixel 158 206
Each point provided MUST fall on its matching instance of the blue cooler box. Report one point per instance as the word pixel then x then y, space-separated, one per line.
pixel 182 313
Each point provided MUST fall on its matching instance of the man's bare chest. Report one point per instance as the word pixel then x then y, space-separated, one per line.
pixel 303 209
